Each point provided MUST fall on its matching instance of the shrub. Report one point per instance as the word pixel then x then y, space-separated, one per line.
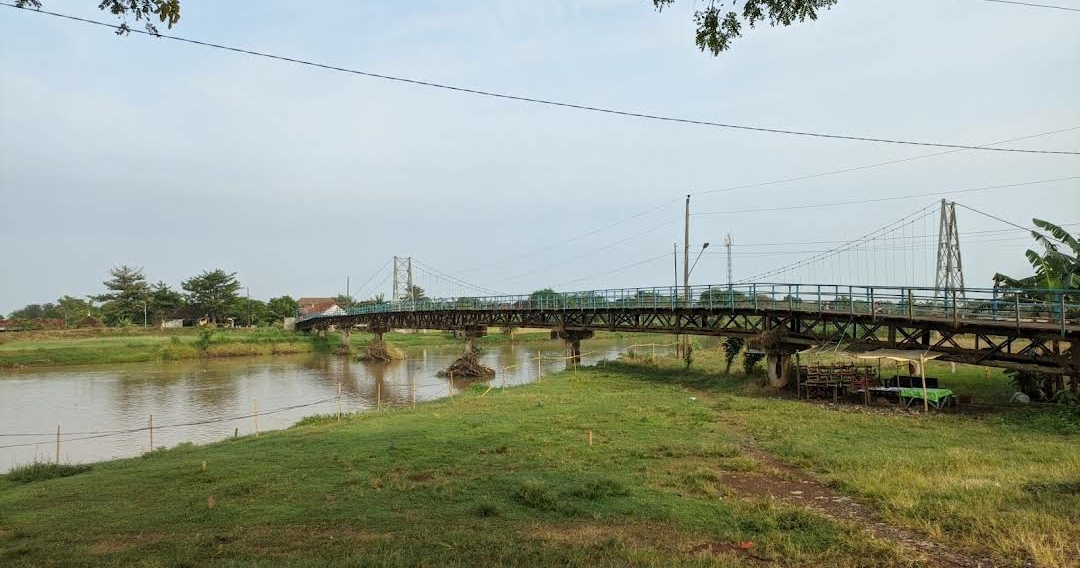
pixel 41 471
pixel 536 494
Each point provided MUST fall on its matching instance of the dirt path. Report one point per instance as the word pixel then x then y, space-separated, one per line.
pixel 794 486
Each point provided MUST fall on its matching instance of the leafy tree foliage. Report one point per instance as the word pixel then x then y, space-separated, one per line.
pixel 1056 267
pixel 416 293
pixel 249 311
pixel 732 346
pixel 213 293
pixel 282 307
pixel 544 296
pixel 74 309
pixel 345 301
pixel 165 303
pixel 717 26
pixel 166 11
pixel 127 292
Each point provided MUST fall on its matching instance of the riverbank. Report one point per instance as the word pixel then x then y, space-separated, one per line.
pixel 134 345
pixel 683 468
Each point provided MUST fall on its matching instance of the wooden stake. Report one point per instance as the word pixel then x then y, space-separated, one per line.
pixel 151 432
pixel 378 393
pixel 539 371
pixel 235 432
pixel 590 438
pixel 922 372
pixel 57 444
pixel 339 401
pixel 412 389
pixel 255 414
pixel 204 465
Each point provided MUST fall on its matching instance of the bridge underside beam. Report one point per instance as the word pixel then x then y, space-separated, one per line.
pixel 1033 347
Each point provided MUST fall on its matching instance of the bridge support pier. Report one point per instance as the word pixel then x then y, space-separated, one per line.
pixel 572 338
pixel 468 365
pixel 778 367
pixel 344 348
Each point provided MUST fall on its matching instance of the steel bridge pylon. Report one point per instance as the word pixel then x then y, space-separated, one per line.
pixel 950 270
pixel 403 278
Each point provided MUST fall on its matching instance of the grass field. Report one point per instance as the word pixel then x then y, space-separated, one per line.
pixel 130 345
pixel 508 477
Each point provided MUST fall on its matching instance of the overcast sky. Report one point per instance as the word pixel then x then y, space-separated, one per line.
pixel 179 158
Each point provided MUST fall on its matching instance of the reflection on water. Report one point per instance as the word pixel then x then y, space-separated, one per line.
pixel 89 401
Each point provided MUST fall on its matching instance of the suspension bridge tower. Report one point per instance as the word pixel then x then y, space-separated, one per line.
pixel 950 271
pixel 403 278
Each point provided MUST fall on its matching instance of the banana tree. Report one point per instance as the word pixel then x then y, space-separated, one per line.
pixel 1055 268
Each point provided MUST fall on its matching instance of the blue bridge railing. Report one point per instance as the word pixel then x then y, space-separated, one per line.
pixel 1043 306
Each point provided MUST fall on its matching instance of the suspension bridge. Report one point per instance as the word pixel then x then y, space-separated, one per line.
pixel 1028 329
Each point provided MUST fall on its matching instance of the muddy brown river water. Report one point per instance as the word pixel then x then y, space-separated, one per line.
pixel 103 410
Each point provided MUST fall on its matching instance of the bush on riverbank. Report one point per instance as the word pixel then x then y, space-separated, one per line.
pixel 41 471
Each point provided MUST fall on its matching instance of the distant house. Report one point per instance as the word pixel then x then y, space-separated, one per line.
pixel 319 306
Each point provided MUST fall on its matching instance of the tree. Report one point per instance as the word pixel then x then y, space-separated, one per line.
pixel 345 301
pixel 716 29
pixel 732 346
pixel 543 297
pixel 249 311
pixel 164 302
pixel 282 307
pixel 29 311
pixel 73 310
pixel 1053 268
pixel 212 293
pixel 416 293
pixel 166 11
pixel 127 295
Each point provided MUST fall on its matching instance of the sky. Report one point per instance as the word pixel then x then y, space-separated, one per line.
pixel 178 158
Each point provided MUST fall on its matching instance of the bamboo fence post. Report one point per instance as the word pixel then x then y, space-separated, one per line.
pixel 151 432
pixel 412 390
pixel 539 371
pixel 922 373
pixel 339 401
pixel 255 414
pixel 590 438
pixel 57 444
pixel 378 393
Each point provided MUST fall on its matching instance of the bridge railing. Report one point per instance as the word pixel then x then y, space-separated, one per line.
pixel 1045 306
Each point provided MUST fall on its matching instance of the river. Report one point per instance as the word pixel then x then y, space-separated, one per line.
pixel 207 400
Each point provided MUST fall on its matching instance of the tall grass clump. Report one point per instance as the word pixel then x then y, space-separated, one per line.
pixel 42 471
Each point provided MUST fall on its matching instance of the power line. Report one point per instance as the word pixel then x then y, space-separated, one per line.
pixel 1032 5
pixel 921 213
pixel 548 102
pixel 875 165
pixel 880 199
pixel 587 253
pixel 750 186
pixel 620 269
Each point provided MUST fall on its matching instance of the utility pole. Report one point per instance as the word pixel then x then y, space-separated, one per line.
pixel 950 272
pixel 686 276
pixel 728 241
pixel 686 255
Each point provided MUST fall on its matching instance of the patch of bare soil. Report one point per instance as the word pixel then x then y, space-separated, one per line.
pixel 793 486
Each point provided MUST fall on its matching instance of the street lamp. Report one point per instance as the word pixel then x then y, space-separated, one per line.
pixel 701 252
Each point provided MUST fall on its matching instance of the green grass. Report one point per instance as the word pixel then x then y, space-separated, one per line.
pixel 507 477
pixel 78 347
